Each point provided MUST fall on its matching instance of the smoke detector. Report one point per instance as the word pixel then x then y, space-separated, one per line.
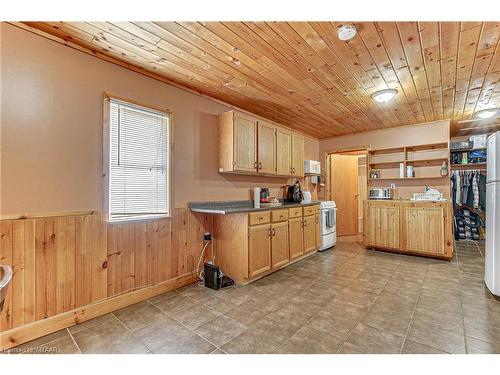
pixel 347 32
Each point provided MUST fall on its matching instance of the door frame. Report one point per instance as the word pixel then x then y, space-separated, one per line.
pixel 327 160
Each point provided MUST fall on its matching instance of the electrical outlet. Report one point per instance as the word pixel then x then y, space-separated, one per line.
pixel 393 185
pixel 207 236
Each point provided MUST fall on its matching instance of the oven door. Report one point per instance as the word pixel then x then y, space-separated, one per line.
pixel 328 219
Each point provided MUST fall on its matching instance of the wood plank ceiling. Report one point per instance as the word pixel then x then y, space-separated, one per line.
pixel 301 75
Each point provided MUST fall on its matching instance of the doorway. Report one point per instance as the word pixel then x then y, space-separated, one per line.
pixel 347 187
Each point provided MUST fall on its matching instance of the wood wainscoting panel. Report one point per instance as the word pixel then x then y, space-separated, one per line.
pixel 63 263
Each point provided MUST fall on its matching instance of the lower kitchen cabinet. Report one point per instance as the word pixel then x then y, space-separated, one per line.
pixel 421 228
pixel 309 223
pixel 259 249
pixel 382 224
pixel 428 221
pixel 296 235
pixel 251 245
pixel 280 251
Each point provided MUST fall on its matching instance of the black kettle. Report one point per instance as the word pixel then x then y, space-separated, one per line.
pixel 294 193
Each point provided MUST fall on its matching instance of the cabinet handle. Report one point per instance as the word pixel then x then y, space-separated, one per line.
pixel 269 232
pixel 273 232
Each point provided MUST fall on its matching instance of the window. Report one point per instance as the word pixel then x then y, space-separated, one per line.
pixel 138 140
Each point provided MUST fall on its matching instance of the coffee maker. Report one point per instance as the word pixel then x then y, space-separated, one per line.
pixel 294 193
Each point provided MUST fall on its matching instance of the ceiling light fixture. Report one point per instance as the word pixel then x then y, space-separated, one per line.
pixel 347 32
pixel 486 113
pixel 384 96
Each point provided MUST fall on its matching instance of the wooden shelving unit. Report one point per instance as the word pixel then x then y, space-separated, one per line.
pixel 380 159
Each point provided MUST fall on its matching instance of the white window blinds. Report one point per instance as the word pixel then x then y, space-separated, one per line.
pixel 139 162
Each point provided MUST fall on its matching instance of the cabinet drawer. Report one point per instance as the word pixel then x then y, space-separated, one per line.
pixel 310 210
pixel 255 218
pixel 279 215
pixel 295 212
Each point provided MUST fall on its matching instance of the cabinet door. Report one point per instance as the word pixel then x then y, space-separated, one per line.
pixel 283 153
pixel 245 143
pixel 424 230
pixel 317 224
pixel 280 252
pixel 259 249
pixel 309 233
pixel 296 237
pixel 382 225
pixel 266 149
pixel 297 155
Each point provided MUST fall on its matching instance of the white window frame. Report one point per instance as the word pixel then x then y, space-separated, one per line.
pixel 107 165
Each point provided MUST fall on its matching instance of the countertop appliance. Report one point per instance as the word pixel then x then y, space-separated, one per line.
pixel 328 225
pixel 294 193
pixel 492 254
pixel 380 193
pixel 312 167
pixel 307 197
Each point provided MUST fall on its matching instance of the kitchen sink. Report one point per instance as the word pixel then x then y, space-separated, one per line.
pixel 5 279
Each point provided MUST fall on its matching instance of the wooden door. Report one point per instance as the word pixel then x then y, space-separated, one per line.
pixel 424 229
pixel 283 153
pixel 297 155
pixel 309 233
pixel 245 143
pixel 280 252
pixel 295 234
pixel 266 149
pixel 259 249
pixel 317 225
pixel 381 225
pixel 344 191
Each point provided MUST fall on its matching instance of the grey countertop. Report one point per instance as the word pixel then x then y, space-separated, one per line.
pixel 233 207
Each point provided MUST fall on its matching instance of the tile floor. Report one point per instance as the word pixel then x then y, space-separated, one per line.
pixel 346 300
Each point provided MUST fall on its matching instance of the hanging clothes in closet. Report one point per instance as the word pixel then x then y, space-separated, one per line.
pixel 469 188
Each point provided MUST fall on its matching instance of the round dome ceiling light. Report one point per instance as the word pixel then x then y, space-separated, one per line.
pixel 383 96
pixel 347 32
pixel 486 113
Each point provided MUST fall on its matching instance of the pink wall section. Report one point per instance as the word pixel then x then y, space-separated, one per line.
pixel 51 130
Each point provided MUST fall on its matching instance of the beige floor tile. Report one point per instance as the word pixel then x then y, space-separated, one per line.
pixel 308 340
pixel 220 330
pixel 388 321
pixel 156 335
pixel 475 346
pixel 194 317
pixel 338 326
pixel 412 347
pixel 139 315
pixel 441 339
pixel 374 340
pixel 100 335
pixel 91 323
pixel 190 343
pixel 176 303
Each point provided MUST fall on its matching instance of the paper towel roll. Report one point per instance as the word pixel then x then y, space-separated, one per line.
pixel 256 197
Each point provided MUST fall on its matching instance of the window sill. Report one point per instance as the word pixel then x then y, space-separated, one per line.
pixel 136 219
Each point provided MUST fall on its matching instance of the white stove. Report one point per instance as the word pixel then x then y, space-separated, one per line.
pixel 328 225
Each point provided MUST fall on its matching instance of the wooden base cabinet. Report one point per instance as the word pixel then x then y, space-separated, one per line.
pixel 280 251
pixel 251 245
pixel 309 233
pixel 422 228
pixel 259 249
pixel 296 235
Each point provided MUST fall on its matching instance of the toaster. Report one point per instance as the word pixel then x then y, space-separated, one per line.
pixel 380 193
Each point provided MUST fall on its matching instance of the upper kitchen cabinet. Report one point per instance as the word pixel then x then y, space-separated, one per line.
pixel 283 152
pixel 251 145
pixel 297 155
pixel 266 147
pixel 237 143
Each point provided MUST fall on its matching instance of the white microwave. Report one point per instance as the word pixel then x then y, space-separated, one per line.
pixel 312 167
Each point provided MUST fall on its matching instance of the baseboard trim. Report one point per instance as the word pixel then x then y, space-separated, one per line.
pixel 23 334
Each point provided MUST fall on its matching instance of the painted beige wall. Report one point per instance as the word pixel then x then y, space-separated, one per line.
pixel 431 132
pixel 51 135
